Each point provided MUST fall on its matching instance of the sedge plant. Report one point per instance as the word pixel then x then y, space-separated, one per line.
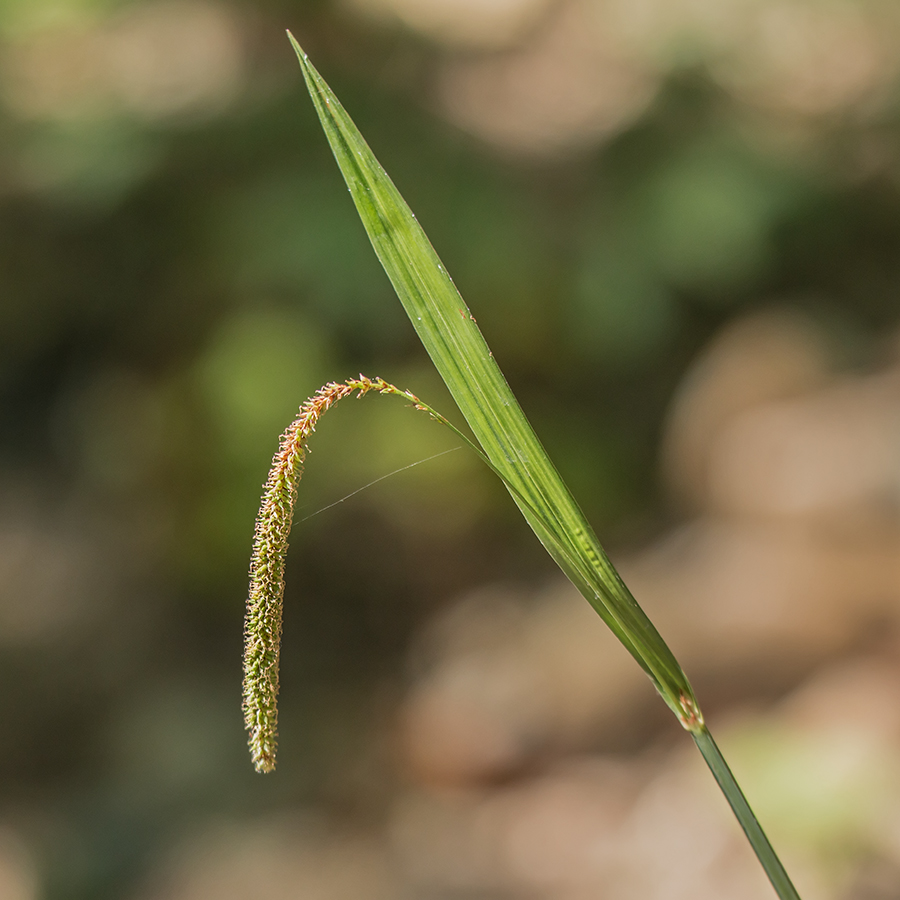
pixel 503 438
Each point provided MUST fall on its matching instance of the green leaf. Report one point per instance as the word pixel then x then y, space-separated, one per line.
pixel 455 344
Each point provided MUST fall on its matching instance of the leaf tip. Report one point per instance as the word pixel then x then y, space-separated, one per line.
pixel 301 53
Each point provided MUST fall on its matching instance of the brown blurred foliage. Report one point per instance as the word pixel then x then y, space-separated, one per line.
pixel 677 223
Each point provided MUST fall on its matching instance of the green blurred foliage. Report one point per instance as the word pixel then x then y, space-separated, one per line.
pixel 173 286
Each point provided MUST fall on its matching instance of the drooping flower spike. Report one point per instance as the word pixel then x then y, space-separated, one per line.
pixel 262 627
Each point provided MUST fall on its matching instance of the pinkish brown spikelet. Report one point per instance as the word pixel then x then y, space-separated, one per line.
pixel 262 627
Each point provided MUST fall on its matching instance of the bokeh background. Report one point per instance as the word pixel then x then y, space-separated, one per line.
pixel 678 223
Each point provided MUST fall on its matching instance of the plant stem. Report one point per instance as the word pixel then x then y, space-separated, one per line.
pixel 738 802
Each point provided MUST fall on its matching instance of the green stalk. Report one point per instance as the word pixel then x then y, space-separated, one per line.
pixel 510 446
pixel 731 789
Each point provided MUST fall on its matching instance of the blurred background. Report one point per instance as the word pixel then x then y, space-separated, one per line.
pixel 678 223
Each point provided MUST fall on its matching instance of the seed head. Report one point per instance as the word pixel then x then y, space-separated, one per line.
pixel 262 626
